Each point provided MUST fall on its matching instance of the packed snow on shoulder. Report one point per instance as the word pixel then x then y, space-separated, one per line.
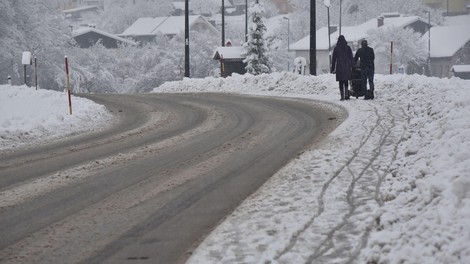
pixel 390 185
pixel 29 116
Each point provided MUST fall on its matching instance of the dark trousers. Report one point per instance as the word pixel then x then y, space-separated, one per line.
pixel 343 89
pixel 367 74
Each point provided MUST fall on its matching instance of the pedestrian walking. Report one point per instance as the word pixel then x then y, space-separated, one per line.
pixel 367 57
pixel 342 62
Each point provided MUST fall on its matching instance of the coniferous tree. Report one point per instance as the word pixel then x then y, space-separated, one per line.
pixel 257 57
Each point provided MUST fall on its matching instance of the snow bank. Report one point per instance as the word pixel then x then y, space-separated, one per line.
pixel 29 116
pixel 423 213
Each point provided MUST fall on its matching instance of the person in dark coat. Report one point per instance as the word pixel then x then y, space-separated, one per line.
pixel 366 56
pixel 342 61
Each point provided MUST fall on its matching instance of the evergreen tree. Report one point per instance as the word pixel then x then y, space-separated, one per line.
pixel 257 58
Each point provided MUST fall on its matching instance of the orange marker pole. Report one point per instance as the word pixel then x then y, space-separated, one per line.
pixel 36 71
pixel 68 83
pixel 391 57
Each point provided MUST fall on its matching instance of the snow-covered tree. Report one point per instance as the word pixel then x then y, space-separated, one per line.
pixel 257 57
pixel 353 12
pixel 408 48
pixel 34 26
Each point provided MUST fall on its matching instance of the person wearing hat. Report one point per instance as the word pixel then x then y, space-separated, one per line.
pixel 366 56
pixel 342 62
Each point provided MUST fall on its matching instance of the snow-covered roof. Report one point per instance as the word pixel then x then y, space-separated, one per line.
pixel 228 53
pixel 354 33
pixel 446 41
pixel 84 30
pixel 321 41
pixel 171 25
pixel 144 26
pixel 80 9
pixel 461 68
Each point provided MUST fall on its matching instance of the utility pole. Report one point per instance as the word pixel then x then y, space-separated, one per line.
pixel 186 39
pixel 223 23
pixel 327 5
pixel 313 40
pixel 246 20
pixel 340 11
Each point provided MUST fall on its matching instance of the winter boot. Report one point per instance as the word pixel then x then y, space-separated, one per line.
pixel 341 91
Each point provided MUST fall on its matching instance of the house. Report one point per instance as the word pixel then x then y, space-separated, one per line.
pixel 86 37
pixel 451 7
pixel 302 49
pixel 145 30
pixel 461 71
pixel 75 14
pixel 231 60
pixel 283 6
pixel 450 47
pixel 354 35
pixel 179 7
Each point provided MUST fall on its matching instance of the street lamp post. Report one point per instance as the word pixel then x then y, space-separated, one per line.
pixel 186 39
pixel 246 20
pixel 288 40
pixel 340 4
pixel 327 4
pixel 429 42
pixel 223 23
pixel 313 39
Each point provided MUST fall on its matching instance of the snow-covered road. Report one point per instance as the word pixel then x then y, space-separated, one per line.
pixel 390 185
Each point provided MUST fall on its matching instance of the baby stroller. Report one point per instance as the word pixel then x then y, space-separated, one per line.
pixel 356 82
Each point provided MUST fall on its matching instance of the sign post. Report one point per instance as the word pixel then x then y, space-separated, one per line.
pixel 26 60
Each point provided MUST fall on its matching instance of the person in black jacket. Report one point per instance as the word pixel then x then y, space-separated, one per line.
pixel 342 60
pixel 366 56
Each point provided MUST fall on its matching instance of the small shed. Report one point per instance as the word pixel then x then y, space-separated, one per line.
pixel 461 71
pixel 231 60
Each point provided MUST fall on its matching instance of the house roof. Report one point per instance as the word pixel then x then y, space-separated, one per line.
pixel 461 68
pixel 354 33
pixel 321 41
pixel 85 30
pixel 80 9
pixel 446 41
pixel 171 25
pixel 229 53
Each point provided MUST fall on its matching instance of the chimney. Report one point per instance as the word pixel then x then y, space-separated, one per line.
pixel 380 21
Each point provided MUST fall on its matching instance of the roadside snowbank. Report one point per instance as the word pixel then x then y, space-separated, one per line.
pixel 390 185
pixel 29 117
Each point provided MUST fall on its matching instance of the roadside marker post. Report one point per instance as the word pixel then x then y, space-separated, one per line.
pixel 391 57
pixel 36 71
pixel 68 83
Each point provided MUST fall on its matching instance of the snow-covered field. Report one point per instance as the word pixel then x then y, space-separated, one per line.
pixel 392 180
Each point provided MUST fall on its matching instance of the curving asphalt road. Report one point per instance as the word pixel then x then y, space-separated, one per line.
pixel 150 187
